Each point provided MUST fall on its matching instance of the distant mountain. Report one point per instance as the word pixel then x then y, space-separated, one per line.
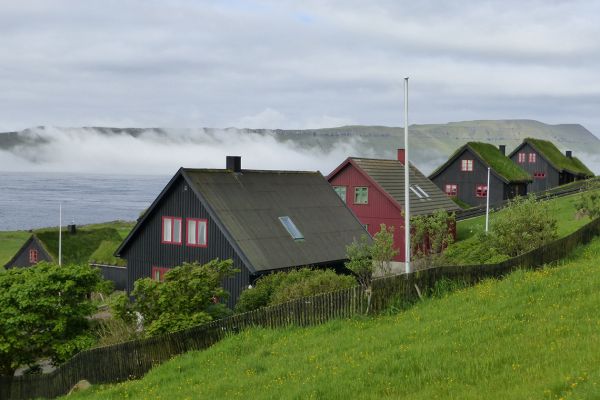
pixel 430 144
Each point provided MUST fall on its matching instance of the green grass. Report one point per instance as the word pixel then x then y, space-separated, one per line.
pixel 533 335
pixel 557 158
pixel 460 203
pixel 104 253
pixel 503 165
pixel 563 210
pixel 76 249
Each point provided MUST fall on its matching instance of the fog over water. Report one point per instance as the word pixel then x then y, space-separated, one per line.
pixel 81 150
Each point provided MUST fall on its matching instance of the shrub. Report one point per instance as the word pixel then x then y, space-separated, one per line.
pixel 526 224
pixel 588 204
pixel 280 287
pixel 189 296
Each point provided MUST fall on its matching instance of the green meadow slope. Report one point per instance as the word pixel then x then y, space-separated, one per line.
pixel 533 335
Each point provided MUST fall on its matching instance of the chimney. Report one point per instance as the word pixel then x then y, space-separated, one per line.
pixel 234 163
pixel 502 149
pixel 401 156
pixel 569 154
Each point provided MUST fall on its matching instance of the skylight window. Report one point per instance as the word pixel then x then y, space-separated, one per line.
pixel 412 189
pixel 424 193
pixel 289 225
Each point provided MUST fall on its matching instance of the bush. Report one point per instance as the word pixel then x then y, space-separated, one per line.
pixel 190 295
pixel 525 225
pixel 280 287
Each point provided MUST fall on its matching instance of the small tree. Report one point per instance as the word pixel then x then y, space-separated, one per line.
pixel 360 261
pixel 44 313
pixel 432 235
pixel 382 250
pixel 588 203
pixel 190 295
pixel 525 224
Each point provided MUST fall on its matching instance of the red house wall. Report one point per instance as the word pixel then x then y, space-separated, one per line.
pixel 379 210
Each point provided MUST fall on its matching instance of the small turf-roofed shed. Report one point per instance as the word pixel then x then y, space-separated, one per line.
pixel 263 220
pixel 548 166
pixel 464 175
pixel 374 190
pixel 32 252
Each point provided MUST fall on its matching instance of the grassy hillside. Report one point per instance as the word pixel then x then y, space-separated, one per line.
pixel 534 335
pixel 563 210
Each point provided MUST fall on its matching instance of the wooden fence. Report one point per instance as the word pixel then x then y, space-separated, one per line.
pixel 131 360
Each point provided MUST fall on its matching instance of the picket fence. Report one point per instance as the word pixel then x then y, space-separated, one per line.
pixel 131 360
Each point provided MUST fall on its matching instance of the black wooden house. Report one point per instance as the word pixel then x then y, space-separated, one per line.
pixel 32 252
pixel 464 175
pixel 548 166
pixel 263 220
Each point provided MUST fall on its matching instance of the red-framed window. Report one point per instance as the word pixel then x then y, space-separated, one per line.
pixel 33 256
pixel 466 165
pixel 532 157
pixel 452 190
pixel 171 230
pixel 158 273
pixel 539 175
pixel 197 232
pixel 521 158
pixel 481 191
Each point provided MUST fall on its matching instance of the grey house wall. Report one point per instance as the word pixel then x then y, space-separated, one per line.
pixel 146 250
pixel 22 258
pixel 540 165
pixel 467 181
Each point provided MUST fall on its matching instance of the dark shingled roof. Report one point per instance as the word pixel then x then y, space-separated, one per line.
pixel 249 204
pixel 502 166
pixel 555 157
pixel 389 175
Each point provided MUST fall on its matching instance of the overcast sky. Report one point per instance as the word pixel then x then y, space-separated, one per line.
pixel 301 64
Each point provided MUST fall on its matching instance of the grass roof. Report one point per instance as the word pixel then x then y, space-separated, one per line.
pixel 77 248
pixel 501 164
pixel 104 254
pixel 557 158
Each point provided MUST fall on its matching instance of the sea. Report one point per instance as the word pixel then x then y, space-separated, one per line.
pixel 32 200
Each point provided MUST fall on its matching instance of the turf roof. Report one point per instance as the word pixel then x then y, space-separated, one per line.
pixel 555 157
pixel 503 166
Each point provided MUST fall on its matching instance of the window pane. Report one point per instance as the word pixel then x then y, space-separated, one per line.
pixel 361 195
pixel 157 275
pixel 341 191
pixel 176 231
pixel 167 234
pixel 191 232
pixel 202 232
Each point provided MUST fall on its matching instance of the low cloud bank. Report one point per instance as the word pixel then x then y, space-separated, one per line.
pixel 160 152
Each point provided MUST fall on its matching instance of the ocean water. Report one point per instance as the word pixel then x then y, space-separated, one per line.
pixel 31 200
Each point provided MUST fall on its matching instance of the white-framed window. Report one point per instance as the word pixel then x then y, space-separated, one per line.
pixel 532 157
pixel 481 191
pixel 341 191
pixel 452 190
pixel 361 195
pixel 466 165
pixel 197 232
pixel 171 230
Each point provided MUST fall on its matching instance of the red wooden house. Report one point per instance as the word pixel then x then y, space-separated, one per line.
pixel 374 190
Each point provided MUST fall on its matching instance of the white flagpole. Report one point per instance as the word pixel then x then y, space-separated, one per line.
pixel 406 183
pixel 60 234
pixel 487 207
